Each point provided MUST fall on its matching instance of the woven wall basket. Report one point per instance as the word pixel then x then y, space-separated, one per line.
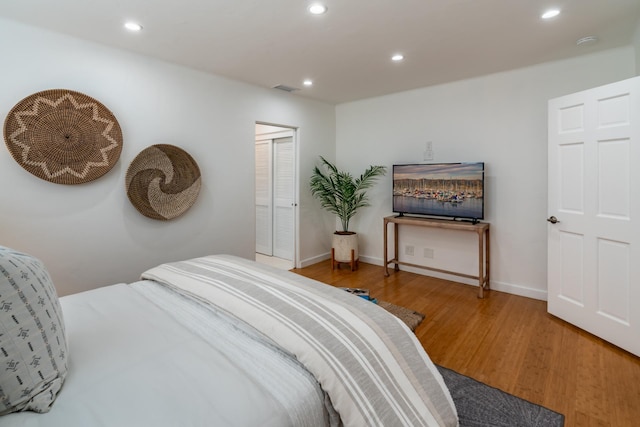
pixel 63 136
pixel 163 181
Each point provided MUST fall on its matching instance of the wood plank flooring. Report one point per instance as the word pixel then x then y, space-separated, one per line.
pixel 511 343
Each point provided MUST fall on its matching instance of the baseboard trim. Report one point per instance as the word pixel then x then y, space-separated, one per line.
pixel 316 259
pixel 509 288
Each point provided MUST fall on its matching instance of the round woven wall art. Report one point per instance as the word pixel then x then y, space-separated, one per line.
pixel 163 181
pixel 63 136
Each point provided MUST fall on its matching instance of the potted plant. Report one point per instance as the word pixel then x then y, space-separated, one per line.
pixel 342 194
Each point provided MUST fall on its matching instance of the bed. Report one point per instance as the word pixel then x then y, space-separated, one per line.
pixel 215 341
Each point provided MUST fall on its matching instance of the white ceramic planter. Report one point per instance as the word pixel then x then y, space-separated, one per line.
pixel 342 245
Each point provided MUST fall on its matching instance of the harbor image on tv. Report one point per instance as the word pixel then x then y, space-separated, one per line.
pixel 439 189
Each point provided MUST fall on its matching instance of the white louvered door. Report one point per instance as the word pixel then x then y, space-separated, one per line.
pixel 275 194
pixel 283 203
pixel 264 205
pixel 594 203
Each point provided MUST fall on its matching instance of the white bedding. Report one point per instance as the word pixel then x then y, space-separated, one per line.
pixel 372 367
pixel 132 364
pixel 222 341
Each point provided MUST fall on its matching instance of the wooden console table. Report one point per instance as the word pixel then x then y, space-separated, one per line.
pixel 481 228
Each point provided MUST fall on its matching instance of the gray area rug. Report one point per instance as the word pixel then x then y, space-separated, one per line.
pixel 480 405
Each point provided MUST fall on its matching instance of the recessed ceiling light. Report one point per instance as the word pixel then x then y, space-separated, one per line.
pixel 308 82
pixel 317 9
pixel 133 26
pixel 551 13
pixel 397 57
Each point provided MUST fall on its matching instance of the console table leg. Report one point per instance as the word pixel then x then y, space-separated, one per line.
pixel 480 265
pixel 487 258
pixel 386 264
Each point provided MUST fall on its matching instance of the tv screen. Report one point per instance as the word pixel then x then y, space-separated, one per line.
pixel 439 189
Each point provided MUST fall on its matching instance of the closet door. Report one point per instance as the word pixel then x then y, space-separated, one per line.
pixel 264 206
pixel 283 201
pixel 275 193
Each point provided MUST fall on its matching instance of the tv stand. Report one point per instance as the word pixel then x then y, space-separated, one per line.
pixel 480 228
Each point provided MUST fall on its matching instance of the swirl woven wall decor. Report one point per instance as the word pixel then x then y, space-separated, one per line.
pixel 63 136
pixel 163 181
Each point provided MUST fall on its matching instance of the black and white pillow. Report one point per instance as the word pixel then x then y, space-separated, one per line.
pixel 33 347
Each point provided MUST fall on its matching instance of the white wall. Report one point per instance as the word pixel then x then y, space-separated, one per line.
pixel 636 44
pixel 90 235
pixel 500 119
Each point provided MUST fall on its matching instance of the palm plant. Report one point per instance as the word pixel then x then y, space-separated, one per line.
pixel 339 192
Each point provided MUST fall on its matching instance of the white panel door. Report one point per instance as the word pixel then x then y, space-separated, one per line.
pixel 594 231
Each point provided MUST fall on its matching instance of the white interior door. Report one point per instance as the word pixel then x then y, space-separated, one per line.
pixel 593 255
pixel 275 192
pixel 264 204
pixel 283 202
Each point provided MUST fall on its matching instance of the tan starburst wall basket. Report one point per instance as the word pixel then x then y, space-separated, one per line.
pixel 63 136
pixel 163 182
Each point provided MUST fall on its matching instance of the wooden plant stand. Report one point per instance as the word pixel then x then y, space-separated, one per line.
pixel 335 263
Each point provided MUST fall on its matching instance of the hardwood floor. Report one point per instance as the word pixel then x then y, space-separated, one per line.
pixel 511 343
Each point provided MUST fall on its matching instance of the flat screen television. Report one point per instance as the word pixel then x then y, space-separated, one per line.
pixel 454 190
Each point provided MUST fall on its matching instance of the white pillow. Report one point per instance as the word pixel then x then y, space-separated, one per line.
pixel 33 346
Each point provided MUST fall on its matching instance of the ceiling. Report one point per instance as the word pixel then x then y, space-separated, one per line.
pixel 346 51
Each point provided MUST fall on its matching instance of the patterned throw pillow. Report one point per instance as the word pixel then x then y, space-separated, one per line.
pixel 33 347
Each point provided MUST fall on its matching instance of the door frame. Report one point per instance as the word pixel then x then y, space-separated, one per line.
pixel 296 183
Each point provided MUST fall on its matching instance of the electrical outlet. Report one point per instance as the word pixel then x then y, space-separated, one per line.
pixel 428 253
pixel 409 250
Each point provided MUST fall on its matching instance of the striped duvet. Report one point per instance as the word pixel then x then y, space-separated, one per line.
pixel 372 367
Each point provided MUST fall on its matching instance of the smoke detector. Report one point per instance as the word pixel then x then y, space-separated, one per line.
pixel 587 41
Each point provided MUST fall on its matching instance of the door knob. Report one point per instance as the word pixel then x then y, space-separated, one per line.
pixel 553 220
